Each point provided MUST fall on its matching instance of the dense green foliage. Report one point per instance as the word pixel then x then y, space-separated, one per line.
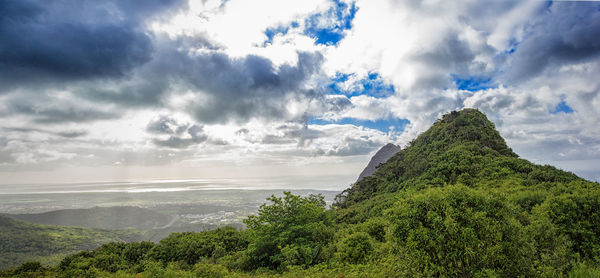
pixel 290 231
pixel 463 147
pixel 456 203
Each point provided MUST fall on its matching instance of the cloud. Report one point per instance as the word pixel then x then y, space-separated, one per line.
pixel 567 33
pixel 354 146
pixel 73 40
pixel 295 140
pixel 166 125
pixel 316 82
pixel 180 135
pixel 215 87
pixel 241 89
pixel 64 134
pixel 48 109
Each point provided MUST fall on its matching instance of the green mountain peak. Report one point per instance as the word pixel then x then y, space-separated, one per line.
pixel 464 126
pixel 462 147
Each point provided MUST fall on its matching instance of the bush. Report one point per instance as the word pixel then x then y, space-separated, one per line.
pixel 457 231
pixel 204 270
pixel 192 247
pixel 376 228
pixel 290 231
pixel 356 247
pixel 577 215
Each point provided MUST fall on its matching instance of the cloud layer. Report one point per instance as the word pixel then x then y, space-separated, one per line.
pixel 312 85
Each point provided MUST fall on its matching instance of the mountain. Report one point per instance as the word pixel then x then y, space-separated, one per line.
pixel 381 156
pixel 462 147
pixel 456 202
pixel 102 218
pixel 21 241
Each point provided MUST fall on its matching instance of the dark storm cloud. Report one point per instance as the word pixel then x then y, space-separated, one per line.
pixel 568 33
pixel 73 40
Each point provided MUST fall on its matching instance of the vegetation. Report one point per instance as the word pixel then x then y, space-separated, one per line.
pixel 21 241
pixel 456 202
pixel 101 218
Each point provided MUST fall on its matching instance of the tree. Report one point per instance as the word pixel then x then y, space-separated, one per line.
pixel 290 231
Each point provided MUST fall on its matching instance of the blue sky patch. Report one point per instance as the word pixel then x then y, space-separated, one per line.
pixel 512 46
pixel 473 83
pixel 373 85
pixel 563 107
pixel 341 12
pixel 281 29
pixel 383 125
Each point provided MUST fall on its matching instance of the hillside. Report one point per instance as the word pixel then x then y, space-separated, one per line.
pixel 381 156
pixel 460 148
pixel 457 202
pixel 102 218
pixel 21 241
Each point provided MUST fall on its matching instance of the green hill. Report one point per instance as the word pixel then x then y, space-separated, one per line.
pixel 460 148
pixel 21 241
pixel 457 202
pixel 101 217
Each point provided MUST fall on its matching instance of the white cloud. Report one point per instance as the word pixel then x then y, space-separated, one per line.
pixel 239 26
pixel 202 73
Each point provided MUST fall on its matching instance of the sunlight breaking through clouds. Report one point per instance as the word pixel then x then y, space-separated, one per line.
pixel 189 85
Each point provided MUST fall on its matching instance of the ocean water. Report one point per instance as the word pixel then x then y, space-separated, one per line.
pixel 162 195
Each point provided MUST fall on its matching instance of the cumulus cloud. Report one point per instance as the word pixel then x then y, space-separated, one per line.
pixel 566 33
pixel 73 40
pixel 243 82
pixel 180 135
pixel 241 89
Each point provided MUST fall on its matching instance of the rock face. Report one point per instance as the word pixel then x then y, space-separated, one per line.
pixel 382 155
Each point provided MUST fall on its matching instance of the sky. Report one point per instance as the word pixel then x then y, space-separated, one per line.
pixel 120 89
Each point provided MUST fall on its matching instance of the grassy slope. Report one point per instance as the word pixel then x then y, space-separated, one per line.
pixel 21 241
